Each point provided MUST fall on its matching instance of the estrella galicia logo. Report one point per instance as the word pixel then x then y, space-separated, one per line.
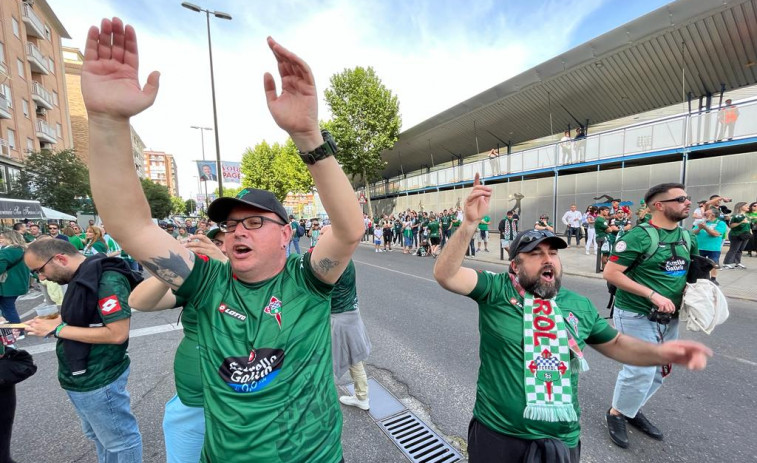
pixel 226 310
pixel 675 267
pixel 254 372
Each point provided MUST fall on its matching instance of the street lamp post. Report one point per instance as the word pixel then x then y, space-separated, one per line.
pixel 202 140
pixel 220 15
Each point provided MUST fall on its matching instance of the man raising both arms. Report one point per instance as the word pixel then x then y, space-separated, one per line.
pixel 262 318
pixel 532 335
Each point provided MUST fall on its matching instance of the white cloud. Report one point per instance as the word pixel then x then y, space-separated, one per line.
pixel 431 54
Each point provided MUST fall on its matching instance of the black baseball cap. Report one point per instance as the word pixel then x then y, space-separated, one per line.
pixel 212 232
pixel 219 210
pixel 528 240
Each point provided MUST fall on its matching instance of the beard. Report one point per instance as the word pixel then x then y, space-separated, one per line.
pixel 675 216
pixel 536 286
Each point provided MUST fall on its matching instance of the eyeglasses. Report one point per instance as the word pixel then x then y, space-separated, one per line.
pixel 252 222
pixel 679 199
pixel 36 271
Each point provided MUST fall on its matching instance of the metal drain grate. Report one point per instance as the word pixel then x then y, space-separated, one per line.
pixel 416 440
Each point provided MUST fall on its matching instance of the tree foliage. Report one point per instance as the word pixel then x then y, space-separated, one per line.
pixel 366 121
pixel 57 179
pixel 229 192
pixel 190 206
pixel 276 168
pixel 177 205
pixel 158 198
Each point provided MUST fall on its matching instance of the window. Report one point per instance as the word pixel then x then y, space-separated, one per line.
pixel 29 144
pixel 59 130
pixel 2 52
pixel 55 98
pixel 20 68
pixel 25 105
pixel 8 97
pixel 14 175
pixel 16 31
pixel 3 180
pixel 51 65
pixel 47 32
pixel 11 139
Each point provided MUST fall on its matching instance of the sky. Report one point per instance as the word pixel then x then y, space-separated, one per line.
pixel 433 54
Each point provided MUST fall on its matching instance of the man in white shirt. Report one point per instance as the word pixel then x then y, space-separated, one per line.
pixel 572 219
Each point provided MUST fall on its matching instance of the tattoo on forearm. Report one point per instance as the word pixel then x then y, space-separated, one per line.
pixel 172 269
pixel 323 266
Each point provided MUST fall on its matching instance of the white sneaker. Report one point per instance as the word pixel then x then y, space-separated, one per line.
pixel 353 401
pixel 587 253
pixel 727 267
pixel 741 265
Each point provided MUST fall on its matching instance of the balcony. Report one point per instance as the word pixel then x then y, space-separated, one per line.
pixel 34 25
pixel 45 133
pixel 41 96
pixel 3 70
pixel 5 111
pixel 37 61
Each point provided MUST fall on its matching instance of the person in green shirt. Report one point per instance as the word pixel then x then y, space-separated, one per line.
pixel 73 238
pixel 752 215
pixel 739 235
pixel 20 227
pixel 95 243
pixel 604 232
pixel 184 415
pixel 262 318
pixel 647 300
pixel 446 221
pixel 16 282
pixel 93 336
pixel 483 234
pixel 434 234
pixel 532 336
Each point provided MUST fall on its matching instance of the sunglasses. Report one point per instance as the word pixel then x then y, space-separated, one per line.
pixel 36 271
pixel 533 235
pixel 252 222
pixel 679 199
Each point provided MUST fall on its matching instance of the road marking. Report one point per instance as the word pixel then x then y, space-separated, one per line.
pixel 50 346
pixel 738 359
pixel 395 271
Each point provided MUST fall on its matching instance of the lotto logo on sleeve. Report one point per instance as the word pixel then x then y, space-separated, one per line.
pixel 109 305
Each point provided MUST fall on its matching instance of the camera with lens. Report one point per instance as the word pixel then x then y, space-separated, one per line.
pixel 662 318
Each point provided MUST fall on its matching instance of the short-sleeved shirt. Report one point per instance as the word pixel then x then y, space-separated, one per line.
pixel 433 229
pixel 740 229
pixel 265 352
pixel 600 226
pixel 186 362
pixel 484 224
pixel 106 362
pixel 446 221
pixel 500 390
pixel 664 272
pixel 706 242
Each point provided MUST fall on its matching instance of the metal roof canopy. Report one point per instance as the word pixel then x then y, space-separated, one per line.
pixel 635 68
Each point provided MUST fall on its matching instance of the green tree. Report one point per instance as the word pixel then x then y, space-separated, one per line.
pixel 190 206
pixel 177 205
pixel 57 179
pixel 366 122
pixel 158 198
pixel 276 168
pixel 229 192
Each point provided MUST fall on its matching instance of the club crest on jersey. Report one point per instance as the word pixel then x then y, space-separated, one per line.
pixel 274 309
pixel 226 310
pixel 573 320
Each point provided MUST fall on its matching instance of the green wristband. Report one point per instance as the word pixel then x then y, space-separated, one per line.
pixel 58 328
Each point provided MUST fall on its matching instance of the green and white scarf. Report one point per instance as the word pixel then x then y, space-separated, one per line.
pixel 546 349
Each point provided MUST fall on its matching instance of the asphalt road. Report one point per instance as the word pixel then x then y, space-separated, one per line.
pixel 425 351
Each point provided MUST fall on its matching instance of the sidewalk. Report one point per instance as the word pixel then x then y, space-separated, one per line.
pixel 736 283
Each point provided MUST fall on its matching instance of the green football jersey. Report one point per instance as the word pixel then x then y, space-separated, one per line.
pixel 186 362
pixel 265 352
pixel 344 296
pixel 433 229
pixel 600 227
pixel 500 390
pixel 106 362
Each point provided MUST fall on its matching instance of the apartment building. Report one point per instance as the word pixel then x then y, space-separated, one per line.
pixel 160 167
pixel 73 61
pixel 33 102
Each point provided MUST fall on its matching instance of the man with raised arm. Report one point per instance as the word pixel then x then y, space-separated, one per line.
pixel 532 336
pixel 263 318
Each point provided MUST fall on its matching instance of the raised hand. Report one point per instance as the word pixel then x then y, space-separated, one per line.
pixel 477 202
pixel 109 79
pixel 296 108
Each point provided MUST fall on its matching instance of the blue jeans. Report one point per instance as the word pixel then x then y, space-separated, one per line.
pixel 636 385
pixel 296 241
pixel 184 431
pixel 8 308
pixel 106 419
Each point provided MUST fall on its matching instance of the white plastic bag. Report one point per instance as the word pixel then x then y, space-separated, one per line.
pixel 704 306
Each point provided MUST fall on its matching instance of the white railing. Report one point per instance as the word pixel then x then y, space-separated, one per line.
pixel 36 23
pixel 671 133
pixel 40 91
pixel 33 52
pixel 42 127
